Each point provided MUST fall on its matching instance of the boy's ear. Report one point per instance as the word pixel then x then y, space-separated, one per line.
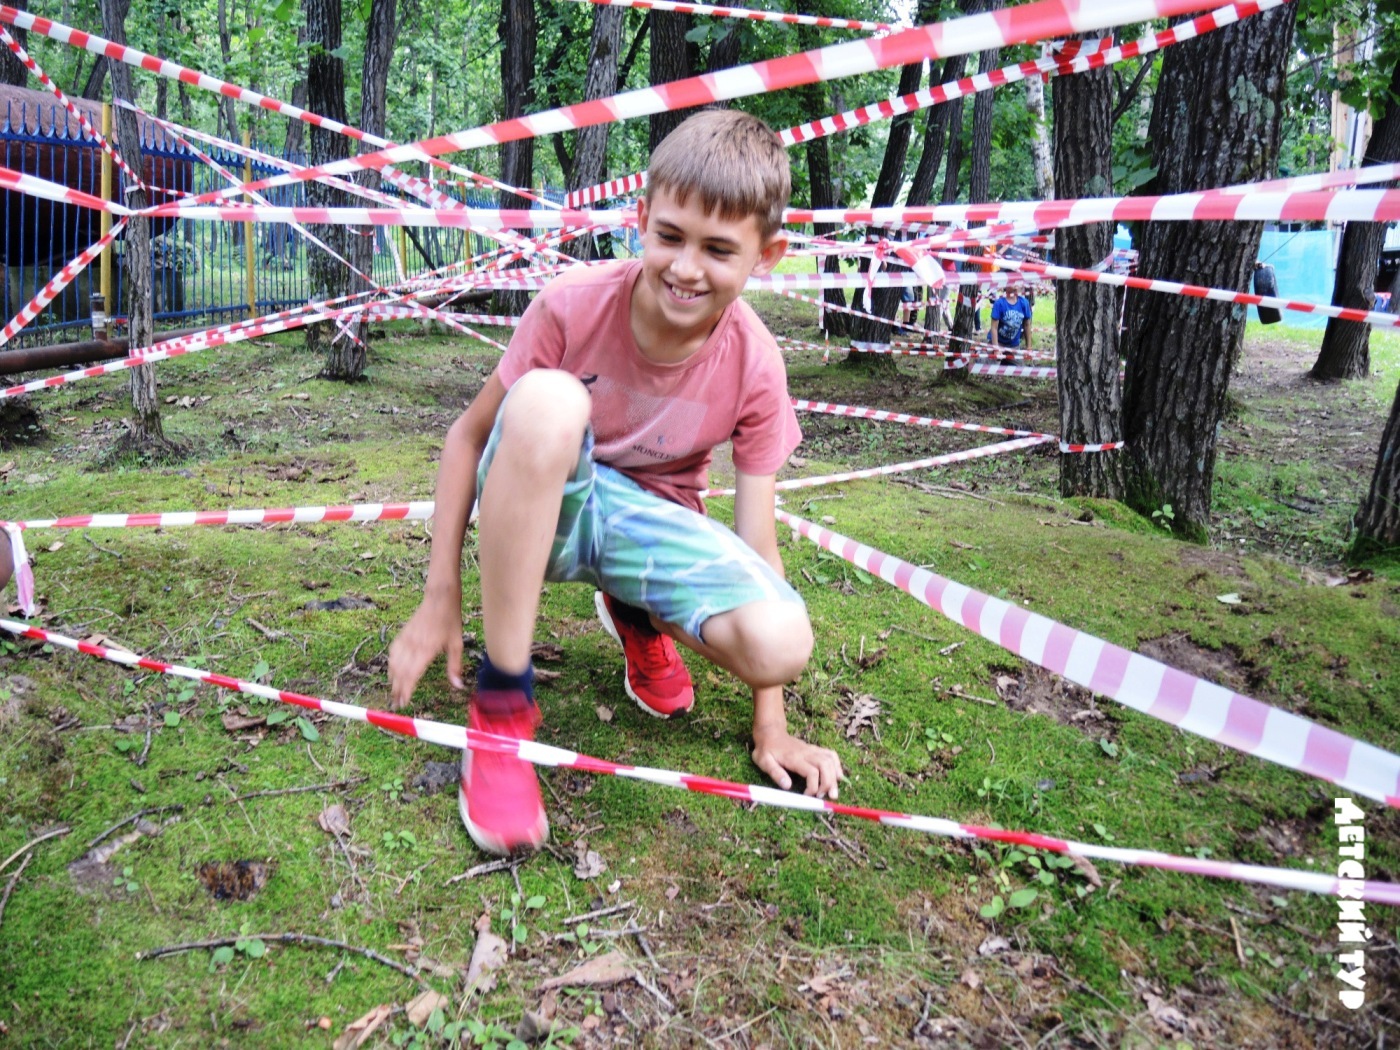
pixel 770 254
pixel 641 216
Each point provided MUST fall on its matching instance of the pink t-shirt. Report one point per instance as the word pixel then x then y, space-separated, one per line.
pixel 658 423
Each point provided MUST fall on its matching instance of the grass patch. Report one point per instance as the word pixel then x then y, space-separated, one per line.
pixel 768 926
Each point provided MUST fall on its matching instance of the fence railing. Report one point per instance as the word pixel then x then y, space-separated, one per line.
pixel 200 269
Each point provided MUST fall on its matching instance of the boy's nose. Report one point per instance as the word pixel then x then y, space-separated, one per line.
pixel 686 264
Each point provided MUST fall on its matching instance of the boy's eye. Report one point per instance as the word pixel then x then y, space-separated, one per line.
pixel 722 253
pixel 668 238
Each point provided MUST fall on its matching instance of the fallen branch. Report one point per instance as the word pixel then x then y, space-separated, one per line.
pixel 598 913
pixel 62 829
pixel 482 869
pixel 131 820
pixel 302 939
pixel 298 790
pixel 266 632
pixel 104 550
pixel 9 886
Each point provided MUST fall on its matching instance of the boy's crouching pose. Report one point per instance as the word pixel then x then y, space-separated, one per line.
pixel 587 450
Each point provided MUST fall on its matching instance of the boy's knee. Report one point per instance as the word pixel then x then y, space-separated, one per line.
pixel 771 641
pixel 547 409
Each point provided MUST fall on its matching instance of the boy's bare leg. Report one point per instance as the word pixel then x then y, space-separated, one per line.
pixel 7 561
pixel 542 427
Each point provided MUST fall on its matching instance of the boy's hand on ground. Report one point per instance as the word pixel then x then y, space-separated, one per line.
pixel 430 631
pixel 779 754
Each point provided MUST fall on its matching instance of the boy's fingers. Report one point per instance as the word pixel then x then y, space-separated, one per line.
pixel 772 768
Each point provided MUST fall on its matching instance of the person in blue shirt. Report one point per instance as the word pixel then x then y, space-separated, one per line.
pixel 1011 319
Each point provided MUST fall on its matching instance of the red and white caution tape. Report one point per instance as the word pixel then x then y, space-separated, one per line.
pixel 756 16
pixel 881 415
pixel 540 754
pixel 419 510
pixel 1063 63
pixel 898 468
pixel 1136 681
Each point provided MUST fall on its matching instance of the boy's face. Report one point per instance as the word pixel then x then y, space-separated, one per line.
pixel 695 263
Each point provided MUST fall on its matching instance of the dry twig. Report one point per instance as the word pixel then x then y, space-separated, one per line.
pixel 302 939
pixel 9 886
pixel 598 913
pixel 132 819
pixel 337 785
pixel 62 829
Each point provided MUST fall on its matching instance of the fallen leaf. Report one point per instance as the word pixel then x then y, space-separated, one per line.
pixel 334 820
pixel 870 659
pixel 964 546
pixel 237 880
pixel 1004 683
pixel 615 885
pixel 992 945
pixel 544 674
pixel 1229 599
pixel 358 1031
pixel 672 892
pixel 296 396
pixel 56 545
pixel 587 863
pixel 605 714
pixel 1168 1017
pixel 971 979
pixel 1088 871
pixel 367 555
pixel 489 954
pixel 236 723
pixel 863 712
pixel 598 972
pixel 421 1007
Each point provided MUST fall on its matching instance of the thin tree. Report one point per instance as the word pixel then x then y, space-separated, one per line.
pixel 1091 402
pixel 979 180
pixel 1346 345
pixel 145 433
pixel 1378 519
pixel 379 52
pixel 1041 160
pixel 588 164
pixel 325 94
pixel 12 70
pixel 1216 121
pixel 820 187
pixel 516 31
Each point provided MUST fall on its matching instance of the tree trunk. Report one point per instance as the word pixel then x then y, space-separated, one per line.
pixel 936 127
pixel 884 302
pixel 591 147
pixel 292 145
pixel 325 94
pixel 92 88
pixel 672 58
pixel 1091 402
pixel 979 186
pixel 379 52
pixel 226 110
pixel 146 433
pixel 1216 122
pixel 1041 163
pixel 12 70
pixel 821 187
pixel 1378 520
pixel 517 33
pixel 1346 345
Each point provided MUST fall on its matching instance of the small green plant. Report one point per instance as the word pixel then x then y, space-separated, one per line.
pixel 396 840
pixel 126 882
pixel 936 740
pixel 579 936
pixel 1043 869
pixel 519 932
pixel 1164 516
pixel 994 789
pixel 250 947
pixel 1103 832
pixel 393 788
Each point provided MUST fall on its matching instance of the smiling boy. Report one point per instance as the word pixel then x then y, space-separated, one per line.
pixel 586 452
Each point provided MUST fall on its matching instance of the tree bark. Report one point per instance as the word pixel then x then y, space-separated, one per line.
pixel 292 145
pixel 226 110
pixel 12 70
pixel 672 58
pixel 1346 345
pixel 885 301
pixel 146 433
pixel 820 186
pixel 1041 162
pixel 591 147
pixel 979 184
pixel 936 127
pixel 1090 394
pixel 325 94
pixel 349 362
pixel 92 88
pixel 1216 122
pixel 516 30
pixel 1378 520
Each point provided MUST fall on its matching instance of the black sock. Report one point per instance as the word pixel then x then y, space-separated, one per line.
pixel 494 686
pixel 630 614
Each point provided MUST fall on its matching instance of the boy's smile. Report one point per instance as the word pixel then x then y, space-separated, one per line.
pixel 694 264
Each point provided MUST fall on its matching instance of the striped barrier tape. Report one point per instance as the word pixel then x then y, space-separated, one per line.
pixel 1101 446
pixel 419 510
pixel 1019 24
pixel 1061 64
pixel 980 452
pixel 881 415
pixel 758 16
pixel 1133 680
pixel 461 738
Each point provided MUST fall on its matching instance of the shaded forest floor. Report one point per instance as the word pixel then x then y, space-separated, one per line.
pixel 757 927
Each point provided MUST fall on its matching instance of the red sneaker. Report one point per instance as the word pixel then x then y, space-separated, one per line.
pixel 655 675
pixel 499 798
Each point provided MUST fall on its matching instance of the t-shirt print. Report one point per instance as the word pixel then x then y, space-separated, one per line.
pixel 653 429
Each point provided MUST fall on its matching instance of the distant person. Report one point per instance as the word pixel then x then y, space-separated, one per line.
pixel 1011 320
pixel 587 451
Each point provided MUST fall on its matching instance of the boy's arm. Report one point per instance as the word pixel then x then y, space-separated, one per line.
pixel 436 626
pixel 775 751
pixel 1029 311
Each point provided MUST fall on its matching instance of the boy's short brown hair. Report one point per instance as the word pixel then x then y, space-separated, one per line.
pixel 734 162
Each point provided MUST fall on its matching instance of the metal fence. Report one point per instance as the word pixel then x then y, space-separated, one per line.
pixel 200 269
